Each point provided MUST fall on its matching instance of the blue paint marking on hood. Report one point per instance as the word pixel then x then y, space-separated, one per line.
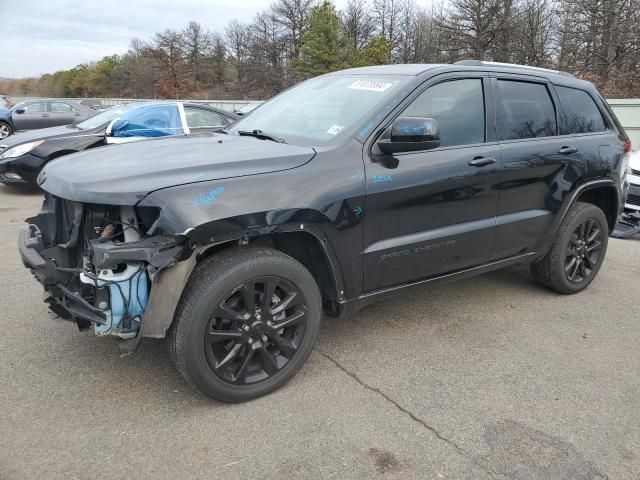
pixel 124 174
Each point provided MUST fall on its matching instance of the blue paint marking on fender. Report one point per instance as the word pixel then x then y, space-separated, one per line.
pixel 363 131
pixel 197 177
pixel 382 179
pixel 359 176
pixel 205 199
pixel 358 211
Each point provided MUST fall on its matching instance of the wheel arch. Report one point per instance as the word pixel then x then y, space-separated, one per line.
pixel 604 197
pixel 308 245
pixel 602 193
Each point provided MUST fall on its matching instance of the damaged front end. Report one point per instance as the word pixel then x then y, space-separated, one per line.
pixel 96 262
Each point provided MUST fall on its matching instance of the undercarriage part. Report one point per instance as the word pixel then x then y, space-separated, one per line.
pixel 627 226
pixel 128 294
pixel 127 288
pixel 159 252
pixel 96 265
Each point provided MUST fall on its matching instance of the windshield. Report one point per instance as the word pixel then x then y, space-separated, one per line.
pixel 318 111
pixel 105 117
pixel 17 106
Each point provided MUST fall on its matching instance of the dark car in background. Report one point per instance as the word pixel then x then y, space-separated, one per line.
pixel 44 113
pixel 92 103
pixel 23 155
pixel 5 101
pixel 246 109
pixel 347 188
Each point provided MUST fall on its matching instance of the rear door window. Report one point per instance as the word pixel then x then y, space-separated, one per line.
pixel 202 118
pixel 525 110
pixel 59 107
pixel 581 112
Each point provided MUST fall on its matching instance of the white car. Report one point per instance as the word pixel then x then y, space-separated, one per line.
pixel 629 224
pixel 633 199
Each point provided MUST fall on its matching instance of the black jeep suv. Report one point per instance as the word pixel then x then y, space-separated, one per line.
pixel 340 191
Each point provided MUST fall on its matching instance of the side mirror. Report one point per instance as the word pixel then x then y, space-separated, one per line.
pixel 19 111
pixel 410 134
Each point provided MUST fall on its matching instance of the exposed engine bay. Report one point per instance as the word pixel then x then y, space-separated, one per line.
pixel 97 263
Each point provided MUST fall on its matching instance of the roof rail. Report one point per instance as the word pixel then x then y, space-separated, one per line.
pixel 480 63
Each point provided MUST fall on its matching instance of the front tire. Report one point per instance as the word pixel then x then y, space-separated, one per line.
pixel 577 252
pixel 247 322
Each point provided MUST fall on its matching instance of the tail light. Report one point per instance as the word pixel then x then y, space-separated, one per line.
pixel 627 146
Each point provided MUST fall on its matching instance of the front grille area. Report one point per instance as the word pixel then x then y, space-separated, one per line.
pixel 633 199
pixel 635 172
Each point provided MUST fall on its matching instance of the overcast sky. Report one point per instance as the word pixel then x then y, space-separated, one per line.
pixel 42 36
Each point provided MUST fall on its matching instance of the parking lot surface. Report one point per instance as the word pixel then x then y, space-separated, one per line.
pixel 491 377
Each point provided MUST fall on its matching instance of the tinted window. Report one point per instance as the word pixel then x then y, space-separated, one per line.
pixel 581 113
pixel 525 111
pixel 37 107
pixel 457 106
pixel 58 107
pixel 201 118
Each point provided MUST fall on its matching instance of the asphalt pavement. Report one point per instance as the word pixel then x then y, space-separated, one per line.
pixel 490 377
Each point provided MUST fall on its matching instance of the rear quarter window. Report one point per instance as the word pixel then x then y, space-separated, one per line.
pixel 582 115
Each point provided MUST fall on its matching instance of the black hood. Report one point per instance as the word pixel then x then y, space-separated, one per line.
pixel 124 174
pixel 44 134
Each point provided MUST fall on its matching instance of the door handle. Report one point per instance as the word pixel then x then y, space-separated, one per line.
pixel 568 150
pixel 45 115
pixel 481 161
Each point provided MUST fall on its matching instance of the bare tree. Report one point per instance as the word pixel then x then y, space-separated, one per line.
pixel 472 27
pixel 293 16
pixel 198 46
pixel 168 50
pixel 357 24
pixel 385 14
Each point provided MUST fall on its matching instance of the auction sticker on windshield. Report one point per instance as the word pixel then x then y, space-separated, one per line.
pixel 371 85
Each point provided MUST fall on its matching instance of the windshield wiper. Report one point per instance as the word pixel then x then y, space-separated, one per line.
pixel 261 135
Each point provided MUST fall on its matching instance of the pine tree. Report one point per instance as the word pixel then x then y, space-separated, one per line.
pixel 376 52
pixel 322 45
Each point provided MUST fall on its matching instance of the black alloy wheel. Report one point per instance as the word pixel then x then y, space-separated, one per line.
pixel 583 251
pixel 255 330
pixel 577 252
pixel 247 322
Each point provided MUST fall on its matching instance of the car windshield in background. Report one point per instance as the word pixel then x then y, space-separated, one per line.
pixel 319 110
pixel 17 106
pixel 105 117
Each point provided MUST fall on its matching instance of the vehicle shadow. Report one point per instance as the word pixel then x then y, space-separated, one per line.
pixel 150 369
pixel 20 190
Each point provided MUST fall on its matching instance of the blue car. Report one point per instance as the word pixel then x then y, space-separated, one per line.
pixel 6 123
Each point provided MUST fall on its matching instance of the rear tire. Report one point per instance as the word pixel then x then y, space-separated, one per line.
pixel 247 321
pixel 577 252
pixel 5 130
